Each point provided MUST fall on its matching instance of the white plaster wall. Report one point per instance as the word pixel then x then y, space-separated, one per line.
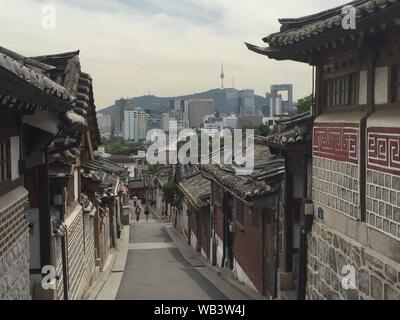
pixel 220 250
pixel 15 156
pixel 362 98
pixel 34 239
pixel 381 85
pixel 76 185
pixel 203 253
pixel 193 240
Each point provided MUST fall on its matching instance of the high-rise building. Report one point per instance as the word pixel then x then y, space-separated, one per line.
pixel 196 110
pixel 135 125
pixel 279 104
pixel 246 102
pixel 118 115
pixel 249 121
pixel 231 104
pixel 105 124
pixel 154 122
pixel 230 122
pixel 165 122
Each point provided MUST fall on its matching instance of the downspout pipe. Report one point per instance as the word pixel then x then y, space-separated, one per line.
pixel 276 249
pixel 64 254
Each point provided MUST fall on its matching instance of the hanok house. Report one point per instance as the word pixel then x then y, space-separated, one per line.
pixel 137 188
pixel 24 91
pixel 356 143
pixel 62 229
pixel 181 217
pixel 247 220
pixel 193 220
pixel 105 184
pixel 293 142
pixel 164 175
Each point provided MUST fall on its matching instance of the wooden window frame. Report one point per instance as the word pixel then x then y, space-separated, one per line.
pixel 342 91
pixel 394 84
pixel 5 159
pixel 7 185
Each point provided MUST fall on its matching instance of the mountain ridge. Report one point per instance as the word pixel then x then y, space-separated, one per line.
pixel 158 104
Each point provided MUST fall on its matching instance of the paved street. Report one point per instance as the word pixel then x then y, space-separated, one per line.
pixel 156 270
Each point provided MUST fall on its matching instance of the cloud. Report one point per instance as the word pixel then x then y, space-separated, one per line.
pixel 131 47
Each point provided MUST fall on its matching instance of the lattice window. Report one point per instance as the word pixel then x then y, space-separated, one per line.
pixel 5 160
pixel 395 85
pixel 342 91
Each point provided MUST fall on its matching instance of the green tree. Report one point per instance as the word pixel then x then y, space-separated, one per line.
pixel 304 104
pixel 262 130
pixel 153 168
pixel 171 193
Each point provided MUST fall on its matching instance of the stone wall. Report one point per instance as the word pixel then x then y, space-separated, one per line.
pixel 383 180
pixel 329 251
pixel 336 185
pixel 14 247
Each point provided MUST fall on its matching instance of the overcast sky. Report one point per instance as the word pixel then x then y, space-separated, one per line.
pixel 165 47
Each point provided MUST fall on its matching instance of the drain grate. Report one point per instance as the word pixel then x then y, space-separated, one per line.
pixel 117 271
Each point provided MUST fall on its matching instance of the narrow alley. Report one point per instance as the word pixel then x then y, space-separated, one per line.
pixel 155 269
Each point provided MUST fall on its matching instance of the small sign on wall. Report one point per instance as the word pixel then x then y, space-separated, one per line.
pixel 321 213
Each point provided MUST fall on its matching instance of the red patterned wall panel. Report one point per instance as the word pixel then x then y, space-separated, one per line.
pixel 337 141
pixel 384 150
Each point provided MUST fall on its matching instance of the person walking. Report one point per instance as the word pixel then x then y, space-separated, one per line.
pixel 137 212
pixel 147 212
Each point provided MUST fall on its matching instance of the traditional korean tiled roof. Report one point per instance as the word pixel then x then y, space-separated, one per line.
pixel 68 73
pixel 104 172
pixel 24 84
pixel 306 29
pixel 184 171
pixel 121 159
pixel 292 131
pixel 197 190
pixel 268 170
pixel 164 175
pixel 88 206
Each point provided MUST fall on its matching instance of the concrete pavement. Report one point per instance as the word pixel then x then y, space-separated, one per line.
pixel 153 263
pixel 155 269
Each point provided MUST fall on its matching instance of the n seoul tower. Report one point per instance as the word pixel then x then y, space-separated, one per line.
pixel 222 75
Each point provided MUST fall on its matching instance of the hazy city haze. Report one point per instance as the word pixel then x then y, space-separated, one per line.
pixel 166 48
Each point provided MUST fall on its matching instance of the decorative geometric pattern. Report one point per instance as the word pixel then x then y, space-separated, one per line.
pixel 384 150
pixel 336 185
pixel 337 142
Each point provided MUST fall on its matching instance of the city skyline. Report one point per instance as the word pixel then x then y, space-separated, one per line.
pixel 165 50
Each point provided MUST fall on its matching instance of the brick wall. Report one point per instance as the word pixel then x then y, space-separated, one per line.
pixel 75 252
pixel 248 250
pixel 59 269
pixel 329 251
pixel 89 248
pixel 14 247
